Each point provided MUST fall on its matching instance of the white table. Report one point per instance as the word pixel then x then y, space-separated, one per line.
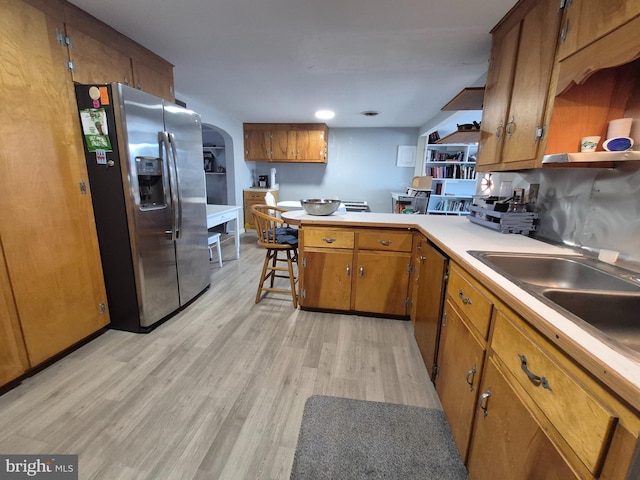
pixel 219 214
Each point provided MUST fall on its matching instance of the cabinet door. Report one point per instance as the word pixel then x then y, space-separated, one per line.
pixel 460 363
pixel 507 441
pixel 326 279
pixel 282 145
pixel 46 221
pixel 257 145
pixel 154 78
pixel 429 271
pixel 496 96
pixel 536 53
pixel 382 282
pixel 13 354
pixel 310 146
pixel 96 62
pixel 588 20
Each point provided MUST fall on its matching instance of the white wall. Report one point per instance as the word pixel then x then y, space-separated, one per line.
pixel 238 171
pixel 361 166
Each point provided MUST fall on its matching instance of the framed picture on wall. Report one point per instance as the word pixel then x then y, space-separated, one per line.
pixel 406 156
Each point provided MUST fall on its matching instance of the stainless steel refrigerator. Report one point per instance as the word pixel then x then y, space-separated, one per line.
pixel 144 161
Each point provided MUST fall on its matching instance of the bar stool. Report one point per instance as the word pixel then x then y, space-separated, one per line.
pixel 214 239
pixel 278 239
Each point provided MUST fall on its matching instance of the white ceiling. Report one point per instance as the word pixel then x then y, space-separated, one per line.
pixel 281 60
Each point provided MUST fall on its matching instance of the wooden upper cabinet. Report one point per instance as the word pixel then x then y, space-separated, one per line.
pixel 586 21
pixel 311 145
pixel 100 54
pixel 516 136
pixel 96 62
pixel 286 142
pixel 283 144
pixel 257 144
pixel 536 54
pixel 153 76
pixel 52 259
pixel 496 95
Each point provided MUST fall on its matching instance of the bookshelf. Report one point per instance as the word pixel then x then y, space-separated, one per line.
pixel 453 168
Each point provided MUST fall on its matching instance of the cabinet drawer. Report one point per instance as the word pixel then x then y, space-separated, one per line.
pixel 584 423
pixel 254 195
pixel 381 240
pixel 328 238
pixel 470 300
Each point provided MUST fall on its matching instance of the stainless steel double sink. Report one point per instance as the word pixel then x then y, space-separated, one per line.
pixel 603 296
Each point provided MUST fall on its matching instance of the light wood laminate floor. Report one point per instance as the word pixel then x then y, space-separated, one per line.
pixel 217 392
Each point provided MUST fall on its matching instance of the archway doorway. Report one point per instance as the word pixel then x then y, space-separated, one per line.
pixel 218 164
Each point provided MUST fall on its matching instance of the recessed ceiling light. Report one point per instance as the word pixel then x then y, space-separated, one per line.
pixel 370 113
pixel 325 114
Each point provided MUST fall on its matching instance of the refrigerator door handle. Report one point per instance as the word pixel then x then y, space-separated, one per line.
pixel 164 138
pixel 172 140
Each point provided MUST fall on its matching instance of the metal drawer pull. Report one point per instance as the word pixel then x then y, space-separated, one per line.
pixel 534 378
pixel 470 376
pixel 465 300
pixel 348 270
pixel 386 243
pixel 361 271
pixel 484 401
pixel 328 240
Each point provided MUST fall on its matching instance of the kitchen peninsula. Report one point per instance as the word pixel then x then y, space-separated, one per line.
pixel 588 417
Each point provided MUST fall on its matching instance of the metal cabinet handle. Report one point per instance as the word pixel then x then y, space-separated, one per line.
pixel 499 131
pixel 470 377
pixel 328 240
pixel 422 258
pixel 510 127
pixel 484 401
pixel 361 271
pixel 465 300
pixel 348 270
pixel 538 381
pixel 386 243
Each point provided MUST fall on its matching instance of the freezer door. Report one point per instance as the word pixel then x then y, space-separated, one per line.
pixel 149 207
pixel 185 135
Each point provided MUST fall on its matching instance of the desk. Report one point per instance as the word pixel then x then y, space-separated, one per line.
pixel 219 214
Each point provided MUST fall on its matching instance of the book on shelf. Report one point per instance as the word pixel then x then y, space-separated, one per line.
pixel 461 172
pixel 455 205
pixel 438 156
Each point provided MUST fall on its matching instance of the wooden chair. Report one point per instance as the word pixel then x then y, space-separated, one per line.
pixel 281 243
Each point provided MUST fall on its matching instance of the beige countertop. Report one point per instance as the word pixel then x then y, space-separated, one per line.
pixel 456 235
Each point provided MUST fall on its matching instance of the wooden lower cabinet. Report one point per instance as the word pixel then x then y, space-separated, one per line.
pixel 429 269
pixel 460 364
pixel 508 442
pixel 538 414
pixel 254 196
pixel 381 282
pixel 327 279
pixel 340 270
